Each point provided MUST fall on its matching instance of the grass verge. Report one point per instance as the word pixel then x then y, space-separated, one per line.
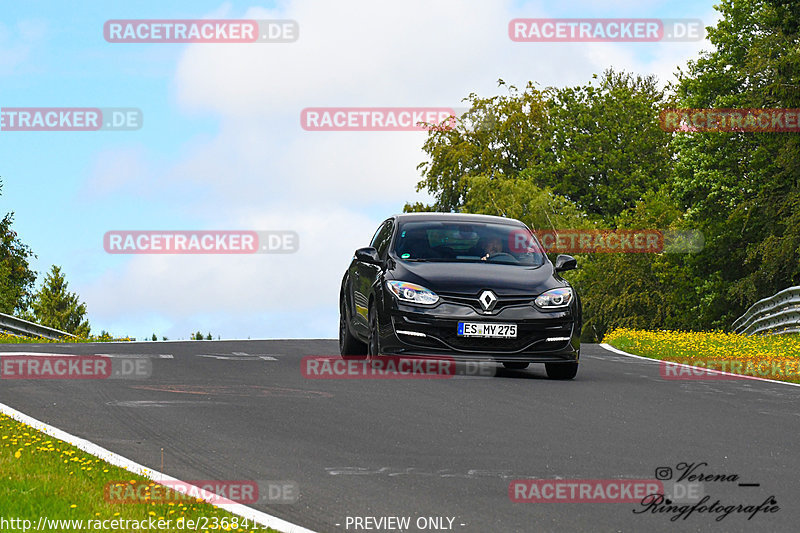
pixel 8 338
pixel 770 356
pixel 44 477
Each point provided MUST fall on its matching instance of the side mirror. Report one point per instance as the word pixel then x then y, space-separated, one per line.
pixel 368 255
pixel 565 262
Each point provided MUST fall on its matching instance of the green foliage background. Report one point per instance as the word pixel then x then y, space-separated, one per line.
pixel 594 156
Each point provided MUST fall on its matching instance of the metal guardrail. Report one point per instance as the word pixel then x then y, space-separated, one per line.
pixel 31 329
pixel 774 315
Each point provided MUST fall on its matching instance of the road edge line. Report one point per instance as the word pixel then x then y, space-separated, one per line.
pixel 117 460
pixel 741 376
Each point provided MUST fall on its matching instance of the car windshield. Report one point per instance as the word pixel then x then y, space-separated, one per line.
pixel 450 241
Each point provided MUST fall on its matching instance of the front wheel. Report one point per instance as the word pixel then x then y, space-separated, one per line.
pixel 561 370
pixel 349 346
pixel 374 344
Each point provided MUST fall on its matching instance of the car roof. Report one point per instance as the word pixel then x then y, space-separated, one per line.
pixel 456 217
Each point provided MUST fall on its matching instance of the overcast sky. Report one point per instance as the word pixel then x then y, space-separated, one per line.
pixel 222 146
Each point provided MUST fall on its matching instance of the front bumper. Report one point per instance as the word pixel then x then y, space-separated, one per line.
pixel 414 330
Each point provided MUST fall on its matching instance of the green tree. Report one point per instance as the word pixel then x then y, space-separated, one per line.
pixel 600 147
pixel 54 306
pixel 522 199
pixel 646 291
pixel 743 189
pixel 606 148
pixel 496 138
pixel 16 277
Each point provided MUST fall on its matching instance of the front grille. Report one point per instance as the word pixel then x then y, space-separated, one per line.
pixel 472 301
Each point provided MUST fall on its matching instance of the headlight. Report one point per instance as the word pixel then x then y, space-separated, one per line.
pixel 554 298
pixel 412 293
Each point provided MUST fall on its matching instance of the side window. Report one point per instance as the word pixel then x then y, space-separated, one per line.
pixel 374 240
pixel 382 237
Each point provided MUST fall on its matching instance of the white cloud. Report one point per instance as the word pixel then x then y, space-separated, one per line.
pixel 263 171
pixel 180 288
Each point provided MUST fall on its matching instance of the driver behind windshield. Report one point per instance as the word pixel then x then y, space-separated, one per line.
pixel 493 245
pixel 487 243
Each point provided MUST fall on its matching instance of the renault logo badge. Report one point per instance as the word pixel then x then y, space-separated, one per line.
pixel 488 300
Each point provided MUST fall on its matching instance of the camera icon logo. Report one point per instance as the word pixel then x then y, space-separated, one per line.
pixel 663 473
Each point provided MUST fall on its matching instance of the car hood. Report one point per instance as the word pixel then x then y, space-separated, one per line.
pixel 471 278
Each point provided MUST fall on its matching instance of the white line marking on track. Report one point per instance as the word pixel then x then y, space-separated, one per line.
pixel 36 354
pixel 176 484
pixel 138 355
pixel 615 350
pixel 113 355
pixel 238 356
pixel 472 473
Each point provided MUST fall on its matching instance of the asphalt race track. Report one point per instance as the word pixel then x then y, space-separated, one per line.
pixel 235 410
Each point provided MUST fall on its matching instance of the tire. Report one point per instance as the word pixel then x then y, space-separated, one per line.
pixel 374 342
pixel 349 346
pixel 515 365
pixel 561 370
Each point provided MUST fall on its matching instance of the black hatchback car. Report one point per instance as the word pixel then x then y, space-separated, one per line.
pixel 469 287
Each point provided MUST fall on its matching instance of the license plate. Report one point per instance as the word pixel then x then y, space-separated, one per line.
pixel 479 329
